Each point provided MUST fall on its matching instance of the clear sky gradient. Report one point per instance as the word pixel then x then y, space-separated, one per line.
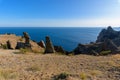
pixel 61 13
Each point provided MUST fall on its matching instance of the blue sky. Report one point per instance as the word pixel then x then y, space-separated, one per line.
pixel 61 13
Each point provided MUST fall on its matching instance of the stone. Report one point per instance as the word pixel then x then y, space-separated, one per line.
pixel 9 45
pixel 91 49
pixel 59 49
pixel 109 45
pixel 42 44
pixel 27 37
pixel 20 45
pixel 49 46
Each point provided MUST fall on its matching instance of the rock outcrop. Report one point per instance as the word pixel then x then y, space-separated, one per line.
pixel 59 49
pixel 26 43
pixel 109 33
pixel 27 37
pixel 9 45
pixel 91 49
pixel 42 44
pixel 108 40
pixel 49 46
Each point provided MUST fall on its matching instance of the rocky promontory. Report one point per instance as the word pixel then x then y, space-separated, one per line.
pixel 108 41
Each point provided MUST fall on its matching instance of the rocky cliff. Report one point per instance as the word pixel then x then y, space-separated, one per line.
pixel 108 40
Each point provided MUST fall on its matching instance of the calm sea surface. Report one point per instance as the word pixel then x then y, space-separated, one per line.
pixel 66 37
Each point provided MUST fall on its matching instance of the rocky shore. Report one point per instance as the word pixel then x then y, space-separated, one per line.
pixel 108 42
pixel 22 58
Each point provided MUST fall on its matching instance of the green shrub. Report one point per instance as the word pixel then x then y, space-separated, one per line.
pixel 4 46
pixel 83 76
pixel 61 76
pixel 105 52
pixel 24 50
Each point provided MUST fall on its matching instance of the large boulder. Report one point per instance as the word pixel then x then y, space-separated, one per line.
pixel 49 46
pixel 59 49
pixel 42 44
pixel 27 37
pixel 11 44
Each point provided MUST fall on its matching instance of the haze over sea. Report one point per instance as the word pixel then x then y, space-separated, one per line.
pixel 67 37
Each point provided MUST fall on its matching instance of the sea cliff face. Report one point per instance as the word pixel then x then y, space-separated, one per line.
pixel 108 40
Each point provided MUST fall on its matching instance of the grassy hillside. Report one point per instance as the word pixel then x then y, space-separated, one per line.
pixel 54 67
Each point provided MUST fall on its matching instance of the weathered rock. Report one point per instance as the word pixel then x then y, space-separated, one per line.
pixel 59 49
pixel 108 40
pixel 27 37
pixel 27 40
pixel 20 45
pixel 11 44
pixel 42 44
pixel 92 49
pixel 109 33
pixel 109 45
pixel 49 46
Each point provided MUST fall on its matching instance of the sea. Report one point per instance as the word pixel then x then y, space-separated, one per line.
pixel 67 37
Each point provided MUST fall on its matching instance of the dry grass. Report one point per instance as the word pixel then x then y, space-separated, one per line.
pixel 44 67
pixel 83 76
pixel 6 74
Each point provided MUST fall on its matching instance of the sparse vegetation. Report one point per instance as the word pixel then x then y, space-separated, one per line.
pixel 33 68
pixel 83 76
pixel 6 74
pixel 21 39
pixel 95 73
pixel 61 76
pixel 24 50
pixel 4 46
pixel 105 52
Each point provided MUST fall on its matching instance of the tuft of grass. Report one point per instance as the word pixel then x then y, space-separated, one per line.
pixel 83 76
pixel 21 39
pixel 105 52
pixel 61 76
pixel 24 50
pixel 95 72
pixel 6 74
pixel 4 46
pixel 33 68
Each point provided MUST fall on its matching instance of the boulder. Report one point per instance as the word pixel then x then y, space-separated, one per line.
pixel 20 45
pixel 91 49
pixel 49 46
pixel 27 37
pixel 109 45
pixel 42 44
pixel 59 49
pixel 11 44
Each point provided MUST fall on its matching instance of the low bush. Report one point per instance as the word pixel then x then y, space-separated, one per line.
pixel 4 46
pixel 61 76
pixel 105 52
pixel 83 76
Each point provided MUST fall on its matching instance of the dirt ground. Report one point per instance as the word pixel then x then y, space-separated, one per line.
pixel 31 66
